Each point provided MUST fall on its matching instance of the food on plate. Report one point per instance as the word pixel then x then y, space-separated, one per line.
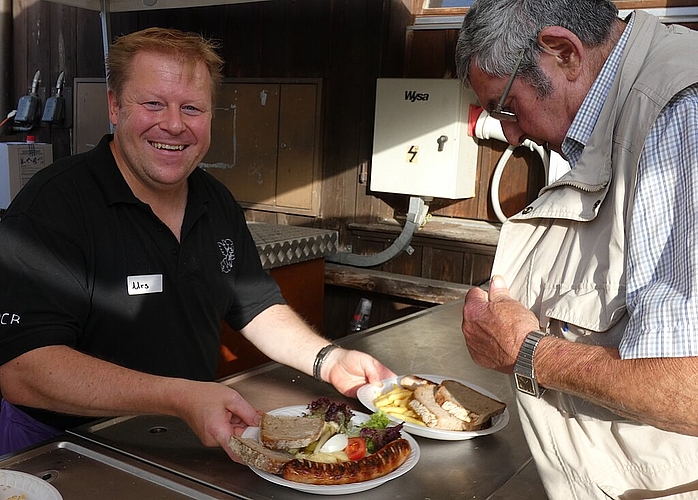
pixel 395 402
pixel 254 453
pixel 448 405
pixel 411 382
pixel 380 463
pixel 432 414
pixel 340 453
pixel 472 407
pixel 284 432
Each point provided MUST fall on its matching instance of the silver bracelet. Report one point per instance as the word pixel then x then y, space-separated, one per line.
pixel 320 359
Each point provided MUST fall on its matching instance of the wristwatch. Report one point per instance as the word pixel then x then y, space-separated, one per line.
pixel 523 369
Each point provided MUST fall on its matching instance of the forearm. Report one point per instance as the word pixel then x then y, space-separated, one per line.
pixel 659 391
pixel 61 379
pixel 283 336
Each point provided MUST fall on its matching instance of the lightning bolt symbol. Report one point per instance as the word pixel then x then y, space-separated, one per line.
pixel 413 151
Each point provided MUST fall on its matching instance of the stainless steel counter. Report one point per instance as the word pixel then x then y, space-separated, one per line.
pixel 496 467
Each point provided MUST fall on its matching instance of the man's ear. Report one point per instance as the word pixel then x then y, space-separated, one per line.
pixel 113 106
pixel 565 47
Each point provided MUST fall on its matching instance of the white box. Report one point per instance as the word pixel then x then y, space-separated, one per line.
pixel 408 155
pixel 19 161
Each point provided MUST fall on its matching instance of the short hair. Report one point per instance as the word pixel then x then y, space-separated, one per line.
pixel 494 32
pixel 190 47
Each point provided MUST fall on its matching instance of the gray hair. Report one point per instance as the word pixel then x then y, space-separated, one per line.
pixel 494 32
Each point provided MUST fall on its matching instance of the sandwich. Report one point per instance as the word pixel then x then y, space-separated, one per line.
pixel 432 414
pixel 471 407
pixel 451 405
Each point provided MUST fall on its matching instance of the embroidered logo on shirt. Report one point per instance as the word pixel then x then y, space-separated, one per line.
pixel 227 248
pixel 144 283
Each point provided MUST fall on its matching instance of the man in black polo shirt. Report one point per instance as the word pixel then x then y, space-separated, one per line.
pixel 119 264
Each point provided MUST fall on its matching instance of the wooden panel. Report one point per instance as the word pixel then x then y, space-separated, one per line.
pixel 443 264
pixel 298 183
pixel 243 151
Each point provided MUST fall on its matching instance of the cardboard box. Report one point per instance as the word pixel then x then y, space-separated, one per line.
pixel 19 161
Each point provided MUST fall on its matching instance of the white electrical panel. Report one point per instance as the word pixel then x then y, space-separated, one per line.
pixel 421 144
pixel 19 161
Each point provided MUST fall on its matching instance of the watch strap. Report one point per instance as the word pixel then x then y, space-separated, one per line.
pixel 524 373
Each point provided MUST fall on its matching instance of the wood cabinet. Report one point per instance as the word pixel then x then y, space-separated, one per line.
pixel 265 144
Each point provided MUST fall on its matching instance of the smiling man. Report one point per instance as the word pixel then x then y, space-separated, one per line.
pixel 595 312
pixel 118 266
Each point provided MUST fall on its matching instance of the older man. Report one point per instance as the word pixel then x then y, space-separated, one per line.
pixel 594 301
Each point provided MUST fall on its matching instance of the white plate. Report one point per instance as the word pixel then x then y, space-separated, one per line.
pixel 368 393
pixel 339 489
pixel 14 483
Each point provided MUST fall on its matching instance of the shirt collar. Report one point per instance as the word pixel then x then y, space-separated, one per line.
pixel 588 114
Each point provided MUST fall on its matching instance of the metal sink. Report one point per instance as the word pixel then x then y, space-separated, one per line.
pixel 79 469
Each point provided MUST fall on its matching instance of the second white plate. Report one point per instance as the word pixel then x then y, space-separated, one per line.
pixel 368 393
pixel 15 483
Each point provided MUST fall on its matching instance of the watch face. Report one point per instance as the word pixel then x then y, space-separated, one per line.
pixel 524 384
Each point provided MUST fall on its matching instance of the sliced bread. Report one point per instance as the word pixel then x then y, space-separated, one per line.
pixel 279 432
pixel 253 453
pixel 432 414
pixel 472 407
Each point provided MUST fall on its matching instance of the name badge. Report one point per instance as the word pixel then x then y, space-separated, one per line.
pixel 145 283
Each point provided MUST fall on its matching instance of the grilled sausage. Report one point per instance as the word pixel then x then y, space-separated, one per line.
pixel 382 462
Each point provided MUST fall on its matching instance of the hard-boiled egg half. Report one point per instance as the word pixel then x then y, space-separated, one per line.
pixel 336 443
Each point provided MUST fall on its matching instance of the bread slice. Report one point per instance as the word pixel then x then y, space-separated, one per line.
pixel 279 432
pixel 411 382
pixel 472 407
pixel 253 453
pixel 432 414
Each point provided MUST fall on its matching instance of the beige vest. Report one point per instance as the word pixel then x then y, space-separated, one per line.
pixel 571 271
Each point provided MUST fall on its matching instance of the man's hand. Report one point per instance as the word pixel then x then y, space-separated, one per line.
pixel 215 412
pixel 348 370
pixel 495 325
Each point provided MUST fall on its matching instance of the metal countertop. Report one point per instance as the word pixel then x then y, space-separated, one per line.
pixel 496 467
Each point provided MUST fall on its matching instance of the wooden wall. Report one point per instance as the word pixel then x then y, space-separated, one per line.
pixel 346 44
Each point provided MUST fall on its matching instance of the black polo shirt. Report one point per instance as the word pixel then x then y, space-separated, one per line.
pixel 84 263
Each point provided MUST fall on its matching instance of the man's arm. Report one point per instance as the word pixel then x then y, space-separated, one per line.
pixel 283 336
pixel 61 379
pixel 661 392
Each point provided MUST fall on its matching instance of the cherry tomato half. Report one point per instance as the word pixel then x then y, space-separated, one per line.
pixel 356 449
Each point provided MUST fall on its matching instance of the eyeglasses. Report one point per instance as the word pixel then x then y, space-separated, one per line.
pixel 505 115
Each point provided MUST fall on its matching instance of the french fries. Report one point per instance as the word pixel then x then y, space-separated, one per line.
pixel 395 403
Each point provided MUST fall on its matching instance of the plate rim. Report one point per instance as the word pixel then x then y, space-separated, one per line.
pixel 336 489
pixel 499 422
pixel 18 475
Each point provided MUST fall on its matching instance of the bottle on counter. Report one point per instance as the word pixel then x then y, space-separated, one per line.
pixel 361 316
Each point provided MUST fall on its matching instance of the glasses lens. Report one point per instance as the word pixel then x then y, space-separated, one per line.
pixel 503 115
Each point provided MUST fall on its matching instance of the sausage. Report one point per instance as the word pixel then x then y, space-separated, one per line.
pixel 382 462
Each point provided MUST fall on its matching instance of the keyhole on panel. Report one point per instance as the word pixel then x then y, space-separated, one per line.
pixel 441 140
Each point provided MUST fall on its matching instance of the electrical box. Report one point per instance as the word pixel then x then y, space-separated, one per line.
pixel 421 144
pixel 19 161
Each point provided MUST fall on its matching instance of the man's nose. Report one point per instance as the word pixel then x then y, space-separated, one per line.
pixel 172 120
